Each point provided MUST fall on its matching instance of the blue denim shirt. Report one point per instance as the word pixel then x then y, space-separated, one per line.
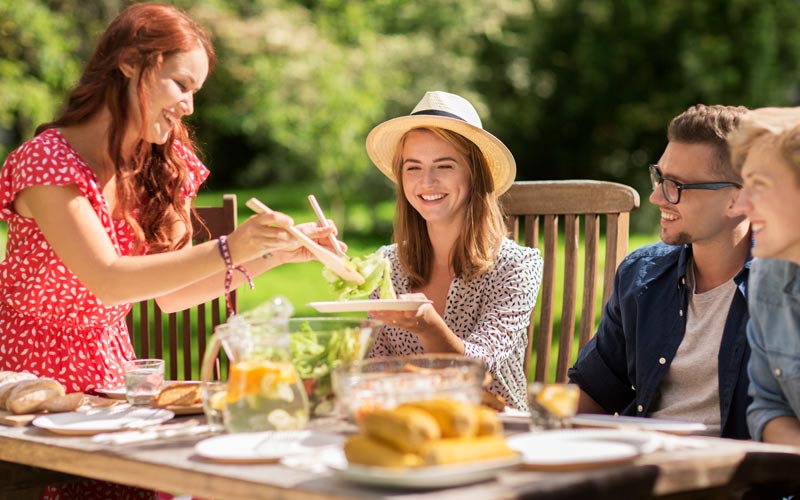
pixel 643 324
pixel 774 336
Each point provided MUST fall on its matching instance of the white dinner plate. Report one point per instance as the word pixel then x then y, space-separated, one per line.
pixel 111 392
pixel 369 305
pixel 580 448
pixel 650 424
pixel 264 447
pixel 99 420
pixel 414 478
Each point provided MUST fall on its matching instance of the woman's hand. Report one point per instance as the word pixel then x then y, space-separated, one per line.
pixel 317 233
pixel 261 234
pixel 425 323
pixel 423 320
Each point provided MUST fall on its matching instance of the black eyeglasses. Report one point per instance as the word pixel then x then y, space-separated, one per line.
pixel 672 190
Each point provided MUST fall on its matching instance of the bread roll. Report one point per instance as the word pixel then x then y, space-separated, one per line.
pixel 8 381
pixel 28 395
pixel 180 394
pixel 58 404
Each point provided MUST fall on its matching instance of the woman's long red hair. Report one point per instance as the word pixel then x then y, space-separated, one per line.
pixel 150 181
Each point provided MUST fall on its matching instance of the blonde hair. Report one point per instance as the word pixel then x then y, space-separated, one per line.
pixel 475 251
pixel 775 127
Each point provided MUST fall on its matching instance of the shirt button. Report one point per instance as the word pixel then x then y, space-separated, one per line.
pixel 640 408
pixel 681 313
pixel 633 388
pixel 662 361
pixel 777 372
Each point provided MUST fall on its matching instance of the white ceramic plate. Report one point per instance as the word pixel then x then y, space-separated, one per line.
pixel 111 392
pixel 99 420
pixel 650 424
pixel 369 305
pixel 511 417
pixel 264 447
pixel 413 478
pixel 580 448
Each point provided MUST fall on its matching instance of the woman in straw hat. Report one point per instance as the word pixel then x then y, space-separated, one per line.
pixel 766 148
pixel 451 245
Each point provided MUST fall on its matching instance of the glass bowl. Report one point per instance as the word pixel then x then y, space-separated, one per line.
pixel 319 344
pixel 375 383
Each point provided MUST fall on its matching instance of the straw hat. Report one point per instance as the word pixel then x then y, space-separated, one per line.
pixel 450 112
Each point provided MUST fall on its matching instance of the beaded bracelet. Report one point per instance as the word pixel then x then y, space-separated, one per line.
pixel 222 242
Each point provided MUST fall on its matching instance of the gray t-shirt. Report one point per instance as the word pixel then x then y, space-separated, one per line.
pixel 690 390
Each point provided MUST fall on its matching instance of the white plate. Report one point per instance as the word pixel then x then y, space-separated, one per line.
pixel 650 424
pixel 369 305
pixel 512 417
pixel 99 420
pixel 260 447
pixel 440 476
pixel 111 392
pixel 580 448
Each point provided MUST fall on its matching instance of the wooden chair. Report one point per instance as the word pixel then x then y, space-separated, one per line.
pixel 146 321
pixel 531 204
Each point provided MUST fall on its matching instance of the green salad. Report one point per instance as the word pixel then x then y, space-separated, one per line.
pixel 316 354
pixel 377 272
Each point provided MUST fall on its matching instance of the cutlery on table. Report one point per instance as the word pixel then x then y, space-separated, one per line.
pixel 325 256
pixel 312 200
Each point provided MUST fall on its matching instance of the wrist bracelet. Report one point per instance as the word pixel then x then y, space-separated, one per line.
pixel 222 243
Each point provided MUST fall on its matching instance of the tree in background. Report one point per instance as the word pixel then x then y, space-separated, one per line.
pixel 576 88
pixel 586 88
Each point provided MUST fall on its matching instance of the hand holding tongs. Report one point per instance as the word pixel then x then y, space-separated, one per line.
pixel 326 257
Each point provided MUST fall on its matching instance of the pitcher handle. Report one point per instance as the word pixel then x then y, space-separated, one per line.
pixel 207 369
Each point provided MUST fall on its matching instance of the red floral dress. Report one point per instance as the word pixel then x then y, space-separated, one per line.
pixel 50 324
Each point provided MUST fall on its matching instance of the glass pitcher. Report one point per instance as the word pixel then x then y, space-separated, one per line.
pixel 264 390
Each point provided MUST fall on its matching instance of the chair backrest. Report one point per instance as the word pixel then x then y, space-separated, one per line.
pixel 186 331
pixel 537 206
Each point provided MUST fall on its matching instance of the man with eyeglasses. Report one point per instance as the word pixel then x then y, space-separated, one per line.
pixel 672 342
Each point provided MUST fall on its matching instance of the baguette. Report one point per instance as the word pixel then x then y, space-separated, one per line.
pixel 28 395
pixel 8 382
pixel 180 394
pixel 59 404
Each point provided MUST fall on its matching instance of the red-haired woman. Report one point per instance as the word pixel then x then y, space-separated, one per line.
pixel 98 204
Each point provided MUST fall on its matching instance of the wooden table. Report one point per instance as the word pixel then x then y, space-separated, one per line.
pixel 171 465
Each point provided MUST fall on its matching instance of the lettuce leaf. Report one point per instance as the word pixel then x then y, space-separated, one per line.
pixel 377 272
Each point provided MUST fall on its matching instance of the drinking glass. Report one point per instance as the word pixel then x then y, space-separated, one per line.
pixel 552 406
pixel 143 380
pixel 214 395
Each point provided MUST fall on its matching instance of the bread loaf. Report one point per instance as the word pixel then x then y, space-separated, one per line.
pixel 9 380
pixel 28 395
pixel 180 394
pixel 59 404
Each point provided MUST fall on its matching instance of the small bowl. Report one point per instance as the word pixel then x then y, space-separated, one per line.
pixel 387 382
